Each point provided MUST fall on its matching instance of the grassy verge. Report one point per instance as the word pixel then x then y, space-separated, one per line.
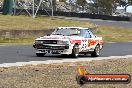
pixel 40 23
pixel 109 34
pixel 115 34
pixel 7 41
pixel 63 75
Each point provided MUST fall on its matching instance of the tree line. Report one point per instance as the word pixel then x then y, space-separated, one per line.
pixel 106 7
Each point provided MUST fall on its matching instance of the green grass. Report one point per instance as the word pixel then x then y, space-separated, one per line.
pixel 115 34
pixel 40 23
pixel 27 23
pixel 16 40
pixel 109 33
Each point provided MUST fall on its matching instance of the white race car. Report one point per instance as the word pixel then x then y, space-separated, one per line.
pixel 69 41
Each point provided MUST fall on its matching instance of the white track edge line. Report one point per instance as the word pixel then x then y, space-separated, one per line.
pixel 61 61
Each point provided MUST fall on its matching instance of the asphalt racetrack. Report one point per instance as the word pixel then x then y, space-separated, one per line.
pixel 26 53
pixel 124 24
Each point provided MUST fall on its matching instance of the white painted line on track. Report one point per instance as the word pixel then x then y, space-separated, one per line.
pixel 62 61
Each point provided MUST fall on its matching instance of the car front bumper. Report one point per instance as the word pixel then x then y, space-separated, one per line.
pixel 53 49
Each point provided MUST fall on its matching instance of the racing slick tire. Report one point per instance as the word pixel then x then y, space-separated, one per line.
pixel 75 51
pixel 40 54
pixel 96 51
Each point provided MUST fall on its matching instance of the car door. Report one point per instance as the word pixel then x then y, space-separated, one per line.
pixel 84 41
pixel 91 39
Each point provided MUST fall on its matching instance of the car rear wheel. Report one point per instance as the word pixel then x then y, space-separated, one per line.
pixel 75 51
pixel 96 51
pixel 40 54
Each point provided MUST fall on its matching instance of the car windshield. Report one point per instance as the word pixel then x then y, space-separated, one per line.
pixel 66 31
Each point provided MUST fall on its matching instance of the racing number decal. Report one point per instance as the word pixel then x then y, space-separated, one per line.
pixel 84 43
pixel 91 42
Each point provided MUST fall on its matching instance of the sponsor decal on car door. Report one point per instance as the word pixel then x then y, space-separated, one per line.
pixel 91 42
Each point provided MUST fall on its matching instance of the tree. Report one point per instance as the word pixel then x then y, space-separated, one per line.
pixel 7 7
pixel 130 2
pixel 105 7
pixel 62 0
pixel 81 3
pixel 125 3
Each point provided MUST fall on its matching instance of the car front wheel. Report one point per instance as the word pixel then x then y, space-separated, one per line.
pixel 40 54
pixel 75 51
pixel 96 51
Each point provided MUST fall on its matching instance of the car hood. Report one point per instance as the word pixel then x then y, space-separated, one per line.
pixel 58 37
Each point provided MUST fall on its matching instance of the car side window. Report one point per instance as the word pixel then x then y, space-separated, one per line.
pixel 82 33
pixel 91 33
pixel 85 33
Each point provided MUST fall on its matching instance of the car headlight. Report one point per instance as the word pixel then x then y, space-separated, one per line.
pixel 38 42
pixel 62 42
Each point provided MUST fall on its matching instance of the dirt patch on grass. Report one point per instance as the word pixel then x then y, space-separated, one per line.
pixel 24 33
pixel 62 75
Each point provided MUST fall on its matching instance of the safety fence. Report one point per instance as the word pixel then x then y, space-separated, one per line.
pixel 80 15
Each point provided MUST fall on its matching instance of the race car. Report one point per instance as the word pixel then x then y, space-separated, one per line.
pixel 70 41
